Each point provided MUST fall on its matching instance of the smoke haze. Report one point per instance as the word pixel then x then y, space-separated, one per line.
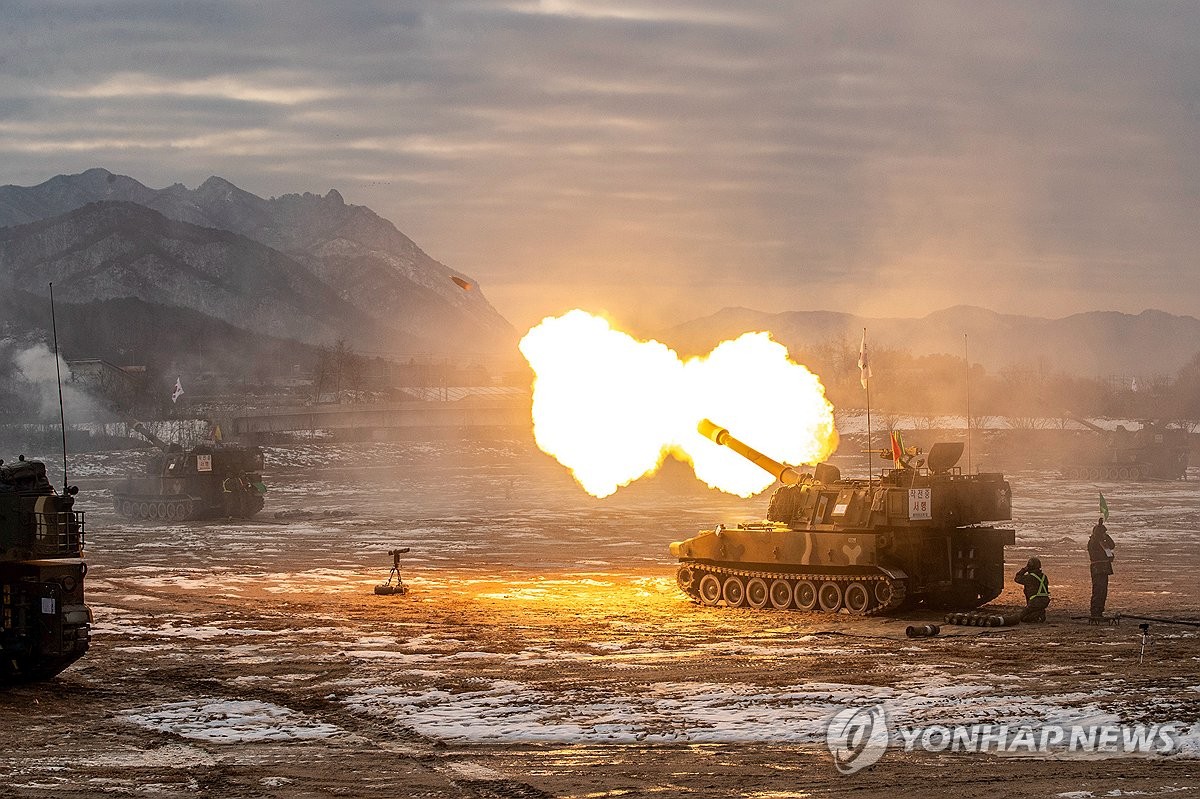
pixel 32 370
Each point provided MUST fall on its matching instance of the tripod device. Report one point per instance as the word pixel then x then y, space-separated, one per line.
pixel 387 587
pixel 1145 628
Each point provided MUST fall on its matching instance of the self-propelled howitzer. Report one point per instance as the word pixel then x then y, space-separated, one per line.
pixel 914 535
pixel 208 481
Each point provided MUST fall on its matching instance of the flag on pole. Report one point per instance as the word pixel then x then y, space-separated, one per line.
pixel 1103 506
pixel 178 392
pixel 864 363
pixel 897 448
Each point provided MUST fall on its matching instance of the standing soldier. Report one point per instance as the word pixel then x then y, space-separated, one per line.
pixel 1037 591
pixel 1100 552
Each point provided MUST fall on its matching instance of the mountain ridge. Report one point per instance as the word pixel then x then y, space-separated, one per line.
pixel 121 250
pixel 1152 342
pixel 355 252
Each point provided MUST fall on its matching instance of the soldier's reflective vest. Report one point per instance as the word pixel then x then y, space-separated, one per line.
pixel 1043 585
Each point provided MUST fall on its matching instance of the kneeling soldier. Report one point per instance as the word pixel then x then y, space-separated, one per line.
pixel 1037 591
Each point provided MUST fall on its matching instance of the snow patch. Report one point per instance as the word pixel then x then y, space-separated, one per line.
pixel 230 721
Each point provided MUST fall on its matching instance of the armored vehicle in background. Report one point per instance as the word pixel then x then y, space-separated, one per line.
pixel 207 481
pixel 915 535
pixel 1154 452
pixel 44 624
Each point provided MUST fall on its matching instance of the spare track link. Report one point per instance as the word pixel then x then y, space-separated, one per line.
pixel 698 570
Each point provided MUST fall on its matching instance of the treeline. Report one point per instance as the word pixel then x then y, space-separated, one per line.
pixel 1030 395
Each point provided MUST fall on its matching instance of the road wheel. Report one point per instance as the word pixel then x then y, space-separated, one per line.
pixel 143 510
pixel 710 590
pixel 127 509
pixel 685 577
pixel 734 592
pixel 829 596
pixel 883 592
pixel 172 511
pixel 781 594
pixel 805 595
pixel 757 595
pixel 858 598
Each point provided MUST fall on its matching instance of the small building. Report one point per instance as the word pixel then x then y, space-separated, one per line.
pixel 116 386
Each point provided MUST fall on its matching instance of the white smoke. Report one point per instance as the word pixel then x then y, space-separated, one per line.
pixel 33 368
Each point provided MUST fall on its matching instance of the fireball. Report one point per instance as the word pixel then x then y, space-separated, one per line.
pixel 611 408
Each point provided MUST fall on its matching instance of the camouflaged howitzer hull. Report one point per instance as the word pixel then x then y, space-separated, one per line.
pixel 44 623
pixel 205 482
pixel 916 535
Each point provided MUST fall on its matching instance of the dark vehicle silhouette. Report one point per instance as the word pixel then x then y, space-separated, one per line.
pixel 208 481
pixel 44 623
pixel 915 535
pixel 1156 451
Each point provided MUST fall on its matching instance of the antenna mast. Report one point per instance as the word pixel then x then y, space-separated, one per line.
pixel 967 363
pixel 62 419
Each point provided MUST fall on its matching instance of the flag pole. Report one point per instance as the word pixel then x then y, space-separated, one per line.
pixel 865 365
pixel 870 451
pixel 967 366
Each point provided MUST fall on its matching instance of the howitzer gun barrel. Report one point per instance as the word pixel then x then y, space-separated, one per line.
pixel 782 472
pixel 1087 424
pixel 145 433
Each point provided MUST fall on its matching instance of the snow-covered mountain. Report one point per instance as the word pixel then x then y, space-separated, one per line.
pixel 300 266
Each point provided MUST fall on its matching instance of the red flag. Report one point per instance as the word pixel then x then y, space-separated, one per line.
pixel 897 448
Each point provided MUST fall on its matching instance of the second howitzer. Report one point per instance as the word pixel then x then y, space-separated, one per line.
pixel 205 482
pixel 915 535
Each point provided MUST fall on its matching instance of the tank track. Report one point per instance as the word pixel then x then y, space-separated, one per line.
pixel 175 509
pixel 1113 472
pixel 157 508
pixel 883 594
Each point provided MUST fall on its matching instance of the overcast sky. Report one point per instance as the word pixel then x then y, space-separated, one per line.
pixel 660 160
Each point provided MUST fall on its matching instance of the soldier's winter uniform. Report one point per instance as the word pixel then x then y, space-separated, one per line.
pixel 1100 551
pixel 1037 591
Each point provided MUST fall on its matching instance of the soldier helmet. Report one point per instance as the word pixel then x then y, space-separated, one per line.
pixel 1034 564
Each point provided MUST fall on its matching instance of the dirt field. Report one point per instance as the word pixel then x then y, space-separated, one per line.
pixel 544 650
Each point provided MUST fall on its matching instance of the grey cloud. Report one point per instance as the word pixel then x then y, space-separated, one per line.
pixel 785 155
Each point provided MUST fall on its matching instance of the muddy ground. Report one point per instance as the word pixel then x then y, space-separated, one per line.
pixel 543 649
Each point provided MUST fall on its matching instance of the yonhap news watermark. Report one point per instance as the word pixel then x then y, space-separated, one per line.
pixel 858 737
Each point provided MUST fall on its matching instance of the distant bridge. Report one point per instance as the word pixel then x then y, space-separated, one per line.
pixel 468 415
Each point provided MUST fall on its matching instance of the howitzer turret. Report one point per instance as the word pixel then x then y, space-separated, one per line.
pixel 915 535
